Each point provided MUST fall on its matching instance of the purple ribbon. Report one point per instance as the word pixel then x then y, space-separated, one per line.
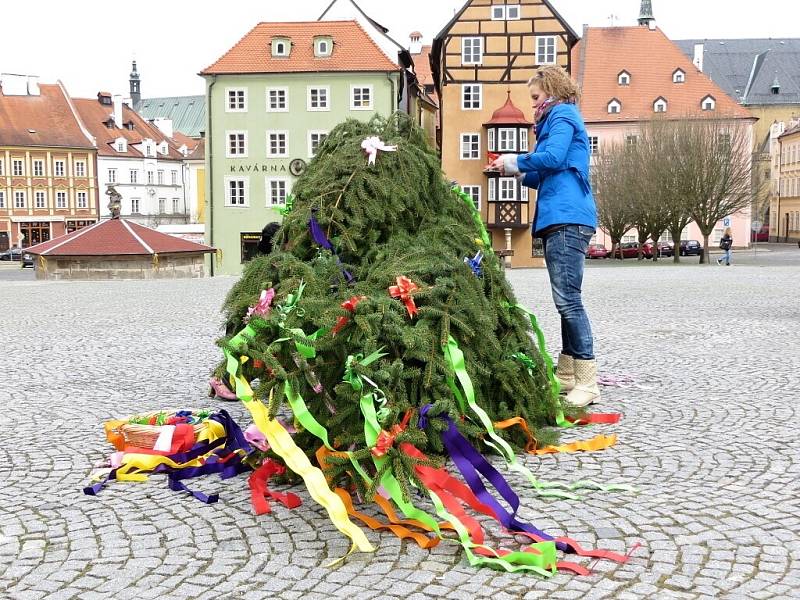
pixel 321 239
pixel 475 264
pixel 422 423
pixel 177 486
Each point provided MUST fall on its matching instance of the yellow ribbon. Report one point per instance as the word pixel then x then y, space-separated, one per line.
pixel 601 442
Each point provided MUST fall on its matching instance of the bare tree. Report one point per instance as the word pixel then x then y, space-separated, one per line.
pixel 612 180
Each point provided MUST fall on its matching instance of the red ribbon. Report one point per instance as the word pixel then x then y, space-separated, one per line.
pixel 403 290
pixel 596 419
pixel 386 438
pixel 349 306
pixel 259 491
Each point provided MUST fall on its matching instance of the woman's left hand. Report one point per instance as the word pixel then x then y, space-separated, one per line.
pixel 498 164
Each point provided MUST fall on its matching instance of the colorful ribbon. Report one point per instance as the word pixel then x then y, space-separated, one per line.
pixel 475 264
pixel 321 239
pixel 349 306
pixel 403 290
pixel 372 144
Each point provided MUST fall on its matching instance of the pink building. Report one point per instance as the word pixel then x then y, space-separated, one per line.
pixel 631 74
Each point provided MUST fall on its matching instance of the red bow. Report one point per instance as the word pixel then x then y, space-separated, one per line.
pixel 386 439
pixel 349 306
pixel 403 290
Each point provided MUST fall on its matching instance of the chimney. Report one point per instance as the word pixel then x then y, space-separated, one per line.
pixel 33 85
pixel 416 43
pixel 698 56
pixel 164 126
pixel 118 110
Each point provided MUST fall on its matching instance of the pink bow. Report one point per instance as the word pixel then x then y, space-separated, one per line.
pixel 371 145
pixel 263 306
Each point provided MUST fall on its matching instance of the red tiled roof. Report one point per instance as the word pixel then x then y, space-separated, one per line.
pixel 113 237
pixel 47 115
pixel 94 116
pixel 508 114
pixel 422 66
pixel 353 50
pixel 651 58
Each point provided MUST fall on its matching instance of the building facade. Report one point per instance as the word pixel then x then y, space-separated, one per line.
pixel 785 196
pixel 481 59
pixel 272 99
pixel 632 75
pixel 48 162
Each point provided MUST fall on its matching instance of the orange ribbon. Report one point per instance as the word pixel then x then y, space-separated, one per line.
pixel 530 447
pixel 601 442
pixel 349 306
pixel 403 290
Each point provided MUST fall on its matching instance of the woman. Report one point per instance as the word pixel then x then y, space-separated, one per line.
pixel 565 219
pixel 725 245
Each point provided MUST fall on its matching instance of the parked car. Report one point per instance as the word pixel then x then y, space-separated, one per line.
pixel 631 250
pixel 597 251
pixel 691 248
pixel 760 236
pixel 13 254
pixel 666 248
pixel 27 260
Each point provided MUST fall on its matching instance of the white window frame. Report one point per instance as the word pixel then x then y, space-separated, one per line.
pixel 362 87
pixel 476 197
pixel 82 199
pixel 523 140
pixel 20 194
pixel 615 104
pixel 40 163
pixel 311 134
pixel 162 206
pixel 133 176
pixel 660 105
pixel 594 148
pixel 277 91
pixel 471 50
pixel 236 108
pixel 150 177
pixel 327 106
pixel 135 205
pixel 2 199
pixel 2 167
pixel 80 168
pixel 160 177
pixel 523 193
pixel 237 154
pixel 287 45
pixel 473 136
pixel 37 195
pixel 492 139
pixel 471 96
pixel 318 47
pixel 492 189
pixel 176 202
pixel 710 99
pixel 62 201
pixel 542 60
pixel 678 76
pixel 245 191
pixel 502 144
pixel 268 181
pixel 18 162
pixel 63 169
pixel 121 145
pixel 624 75
pixel 509 8
pixel 174 177
pixel 498 12
pixel 285 135
pixel 503 187
pixel 112 175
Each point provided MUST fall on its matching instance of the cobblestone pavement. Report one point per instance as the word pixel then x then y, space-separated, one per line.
pixel 709 437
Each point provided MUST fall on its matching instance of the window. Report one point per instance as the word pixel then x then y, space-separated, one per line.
pixel 318 98
pixel 624 78
pixel 174 177
pixel 361 97
pixel 82 200
pixel 237 144
pixel 134 175
pixel 162 206
pixel 498 13
pixel 508 189
pixel 19 200
pixel 470 146
pixel 149 149
pixel 512 12
pixel 523 140
pixel 505 13
pixel 277 189
pixel 112 176
pixel 471 50
pixel 135 206
pixel 175 205
pixel 315 139
pixel 80 168
pixel 523 193
pixel 708 103
pixel 59 168
pixel 322 46
pixel 277 144
pixel 471 96
pixel 631 140
pixel 17 168
pixel 2 167
pixel 280 47
pixel 39 199
pixel 38 168
pixel 492 189
pixel 474 191
pixel 594 144
pixel 2 199
pixel 76 225
pixel 614 107
pixel 508 140
pixel 237 100
pixel 660 105
pixel 492 135
pixel 122 145
pixel 61 199
pixel 678 76
pixel 236 191
pixel 160 177
pixel 546 50
pixel 150 178
pixel 278 99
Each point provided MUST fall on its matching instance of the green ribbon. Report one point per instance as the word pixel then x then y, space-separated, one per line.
pixel 525 360
pixel 285 210
pixel 476 216
pixel 290 305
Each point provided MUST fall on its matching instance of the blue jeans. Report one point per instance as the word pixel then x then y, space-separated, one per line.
pixel 726 256
pixel 565 254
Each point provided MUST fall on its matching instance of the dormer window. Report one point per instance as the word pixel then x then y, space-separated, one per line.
pixel 162 148
pixel 708 103
pixel 281 47
pixel 104 98
pixel 660 105
pixel 614 107
pixel 323 46
pixel 121 145
pixel 678 76
pixel 624 78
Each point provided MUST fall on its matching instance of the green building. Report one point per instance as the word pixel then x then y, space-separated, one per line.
pixel 271 101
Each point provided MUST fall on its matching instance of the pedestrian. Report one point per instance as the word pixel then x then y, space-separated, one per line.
pixel 265 243
pixel 725 244
pixel 565 219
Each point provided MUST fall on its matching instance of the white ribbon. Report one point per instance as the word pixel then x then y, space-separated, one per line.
pixel 371 145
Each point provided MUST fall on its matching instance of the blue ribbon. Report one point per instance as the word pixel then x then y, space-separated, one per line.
pixel 321 239
pixel 475 263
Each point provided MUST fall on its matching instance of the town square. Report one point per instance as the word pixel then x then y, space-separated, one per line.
pixel 351 303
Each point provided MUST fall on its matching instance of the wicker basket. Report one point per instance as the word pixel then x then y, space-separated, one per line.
pixel 145 436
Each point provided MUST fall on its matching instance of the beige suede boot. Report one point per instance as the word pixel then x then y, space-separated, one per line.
pixel 565 372
pixel 586 390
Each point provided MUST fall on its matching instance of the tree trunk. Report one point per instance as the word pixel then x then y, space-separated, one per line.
pixel 704 255
pixel 676 246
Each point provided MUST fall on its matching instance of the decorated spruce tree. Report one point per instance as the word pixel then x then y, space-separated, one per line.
pixel 380 270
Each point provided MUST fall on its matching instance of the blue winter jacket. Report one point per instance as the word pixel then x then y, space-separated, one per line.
pixel 559 169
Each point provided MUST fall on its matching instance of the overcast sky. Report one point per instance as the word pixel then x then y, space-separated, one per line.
pixel 89 44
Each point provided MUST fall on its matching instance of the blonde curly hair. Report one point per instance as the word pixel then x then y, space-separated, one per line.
pixel 555 81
